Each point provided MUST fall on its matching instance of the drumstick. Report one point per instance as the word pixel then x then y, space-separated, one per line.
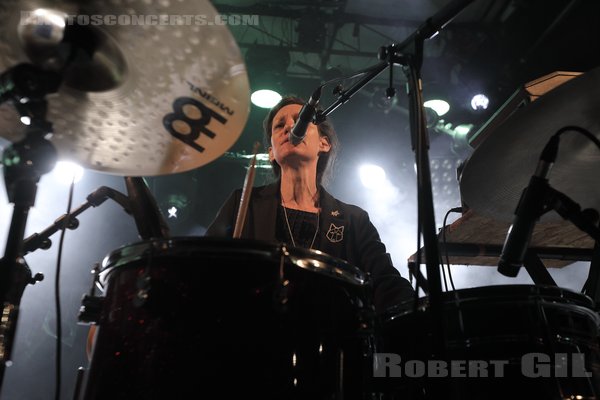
pixel 246 190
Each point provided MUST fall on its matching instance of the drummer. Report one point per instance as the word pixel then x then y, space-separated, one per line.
pixel 297 210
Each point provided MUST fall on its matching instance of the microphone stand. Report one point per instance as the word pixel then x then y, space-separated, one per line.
pixel 586 220
pixel 41 240
pixel 410 55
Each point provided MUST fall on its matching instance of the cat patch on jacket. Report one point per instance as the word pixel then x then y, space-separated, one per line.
pixel 335 234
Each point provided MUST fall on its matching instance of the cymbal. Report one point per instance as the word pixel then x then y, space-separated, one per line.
pixel 501 165
pixel 158 96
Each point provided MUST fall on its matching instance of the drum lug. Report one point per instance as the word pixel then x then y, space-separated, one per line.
pixel 90 310
pixel 91 305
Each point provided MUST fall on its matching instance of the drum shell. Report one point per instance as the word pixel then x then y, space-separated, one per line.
pixel 190 317
pixel 507 323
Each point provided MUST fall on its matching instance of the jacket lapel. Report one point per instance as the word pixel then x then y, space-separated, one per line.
pixel 333 226
pixel 264 212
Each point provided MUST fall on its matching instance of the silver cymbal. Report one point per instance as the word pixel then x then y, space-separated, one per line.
pixel 164 91
pixel 502 164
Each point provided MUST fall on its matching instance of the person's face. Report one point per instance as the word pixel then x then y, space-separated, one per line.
pixel 283 151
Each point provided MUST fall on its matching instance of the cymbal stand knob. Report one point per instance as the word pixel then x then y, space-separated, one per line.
pixel 36 278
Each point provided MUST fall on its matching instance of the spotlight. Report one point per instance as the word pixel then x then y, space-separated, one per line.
pixel 67 172
pixel 461 131
pixel 265 98
pixel 176 206
pixel 372 176
pixel 480 102
pixel 441 107
pixel 267 66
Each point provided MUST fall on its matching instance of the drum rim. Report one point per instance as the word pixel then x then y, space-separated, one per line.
pixel 521 293
pixel 309 259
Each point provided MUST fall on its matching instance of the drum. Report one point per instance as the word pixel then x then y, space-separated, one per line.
pixel 499 342
pixel 191 318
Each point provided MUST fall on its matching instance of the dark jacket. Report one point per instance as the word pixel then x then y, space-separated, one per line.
pixel 345 232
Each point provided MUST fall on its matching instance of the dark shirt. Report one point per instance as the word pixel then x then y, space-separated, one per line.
pixel 301 224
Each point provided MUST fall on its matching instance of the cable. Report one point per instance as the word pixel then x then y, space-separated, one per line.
pixel 457 210
pixel 584 132
pixel 57 293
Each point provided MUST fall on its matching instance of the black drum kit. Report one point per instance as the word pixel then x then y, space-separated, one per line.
pixel 198 317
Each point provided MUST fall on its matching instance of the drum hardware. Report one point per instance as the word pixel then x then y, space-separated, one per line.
pixel 78 383
pixel 26 86
pixel 42 240
pixel 409 54
pixel 591 287
pixel 91 304
pixel 537 270
pixel 281 292
pixel 148 218
pixel 415 272
pixel 143 286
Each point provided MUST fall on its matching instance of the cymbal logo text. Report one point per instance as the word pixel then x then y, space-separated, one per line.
pixel 189 120
pixel 205 95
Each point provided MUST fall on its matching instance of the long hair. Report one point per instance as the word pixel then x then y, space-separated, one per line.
pixel 326 160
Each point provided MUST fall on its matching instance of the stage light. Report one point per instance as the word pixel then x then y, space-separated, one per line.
pixel 267 68
pixel 175 203
pixel 480 102
pixel 441 107
pixel 67 171
pixel 372 176
pixel 265 98
pixel 461 131
pixel 54 17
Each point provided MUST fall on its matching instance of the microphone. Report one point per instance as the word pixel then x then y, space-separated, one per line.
pixel 148 218
pixel 305 117
pixel 529 210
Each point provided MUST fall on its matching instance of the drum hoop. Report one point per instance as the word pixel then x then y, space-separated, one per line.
pixel 549 296
pixel 308 259
pixel 341 270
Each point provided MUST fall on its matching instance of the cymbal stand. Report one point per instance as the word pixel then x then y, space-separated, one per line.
pixel 24 163
pixel 587 221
